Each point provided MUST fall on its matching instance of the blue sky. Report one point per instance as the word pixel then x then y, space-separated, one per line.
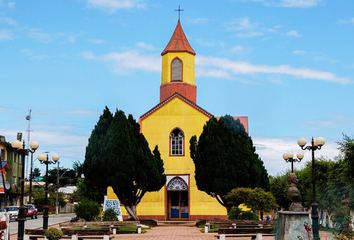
pixel 286 64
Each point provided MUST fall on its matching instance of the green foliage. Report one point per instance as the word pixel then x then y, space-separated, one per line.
pixel 279 187
pixel 237 213
pixel 118 149
pixel 109 215
pixel 334 179
pixel 36 172
pixel 87 210
pixel 53 234
pixel 225 159
pixel 88 190
pixel 39 198
pixel 256 199
pixel 346 146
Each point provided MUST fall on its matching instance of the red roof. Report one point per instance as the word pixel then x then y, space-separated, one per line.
pixel 178 42
pixel 176 95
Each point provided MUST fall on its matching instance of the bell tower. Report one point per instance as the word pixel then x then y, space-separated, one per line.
pixel 178 68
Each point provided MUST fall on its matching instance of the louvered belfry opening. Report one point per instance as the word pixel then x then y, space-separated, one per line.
pixel 177 70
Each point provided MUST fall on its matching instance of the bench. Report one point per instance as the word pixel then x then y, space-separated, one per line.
pixel 34 234
pixel 236 224
pixel 253 233
pixel 112 225
pixel 252 236
pixel 245 230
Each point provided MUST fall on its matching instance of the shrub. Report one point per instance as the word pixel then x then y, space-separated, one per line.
pixel 249 215
pixel 237 213
pixel 87 210
pixel 53 234
pixel 110 215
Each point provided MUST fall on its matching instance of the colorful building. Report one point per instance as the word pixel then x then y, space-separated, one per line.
pixel 170 125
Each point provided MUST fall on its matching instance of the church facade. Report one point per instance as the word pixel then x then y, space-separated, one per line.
pixel 170 125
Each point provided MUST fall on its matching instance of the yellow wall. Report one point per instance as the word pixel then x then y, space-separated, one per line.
pixel 188 67
pixel 156 129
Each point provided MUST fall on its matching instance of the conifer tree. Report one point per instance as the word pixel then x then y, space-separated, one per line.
pixel 225 159
pixel 126 162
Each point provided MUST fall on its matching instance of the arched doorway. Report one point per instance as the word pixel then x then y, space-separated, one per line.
pixel 178 200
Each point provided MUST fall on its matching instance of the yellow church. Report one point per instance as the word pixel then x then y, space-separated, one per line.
pixel 170 125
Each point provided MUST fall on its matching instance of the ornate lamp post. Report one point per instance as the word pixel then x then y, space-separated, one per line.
pixel 316 144
pixel 44 159
pixel 20 147
pixel 289 157
pixel 36 145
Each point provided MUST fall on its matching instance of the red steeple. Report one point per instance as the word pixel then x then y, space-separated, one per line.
pixel 178 42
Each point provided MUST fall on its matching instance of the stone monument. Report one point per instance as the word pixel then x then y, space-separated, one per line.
pixel 295 223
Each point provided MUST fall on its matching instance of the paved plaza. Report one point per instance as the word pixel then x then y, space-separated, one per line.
pixel 180 232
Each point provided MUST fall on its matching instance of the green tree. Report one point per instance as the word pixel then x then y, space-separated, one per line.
pixel 225 159
pixel 86 190
pixel 68 177
pixel 36 172
pixel 279 188
pixel 123 160
pixel 257 199
pixel 346 146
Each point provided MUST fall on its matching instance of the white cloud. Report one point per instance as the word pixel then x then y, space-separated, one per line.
pixel 287 3
pixel 87 55
pixel 237 49
pixel 112 5
pixel 11 4
pixel 9 21
pixel 124 62
pixel 5 35
pixel 299 52
pixel 199 21
pixel 82 112
pixel 146 46
pixel 293 34
pixel 242 24
pixel 96 41
pixel 271 151
pixel 245 28
pixel 40 36
pixel 349 21
pixel 317 124
pixel 249 34
pixel 233 68
pixel 205 43
pixel 299 3
pixel 30 53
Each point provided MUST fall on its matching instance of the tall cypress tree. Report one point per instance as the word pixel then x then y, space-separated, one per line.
pixel 129 166
pixel 225 159
pixel 92 165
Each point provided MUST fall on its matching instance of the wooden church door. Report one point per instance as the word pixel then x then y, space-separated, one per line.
pixel 178 201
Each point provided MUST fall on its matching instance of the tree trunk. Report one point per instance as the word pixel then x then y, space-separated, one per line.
pixel 132 212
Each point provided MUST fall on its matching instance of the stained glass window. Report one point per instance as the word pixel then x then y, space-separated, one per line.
pixel 177 183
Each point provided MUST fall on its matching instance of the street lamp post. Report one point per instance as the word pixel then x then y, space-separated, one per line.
pixel 35 144
pixel 20 147
pixel 316 144
pixel 44 159
pixel 289 157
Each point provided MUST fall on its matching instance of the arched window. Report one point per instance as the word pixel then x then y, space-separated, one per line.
pixel 176 140
pixel 177 183
pixel 176 70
